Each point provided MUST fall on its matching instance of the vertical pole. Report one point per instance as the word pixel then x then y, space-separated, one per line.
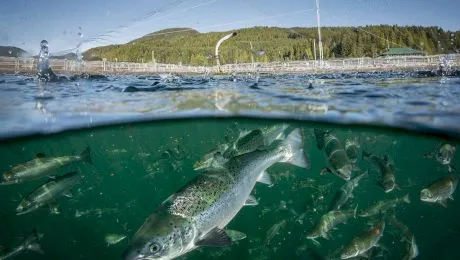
pixel 226 37
pixel 314 48
pixel 320 43
pixel 252 54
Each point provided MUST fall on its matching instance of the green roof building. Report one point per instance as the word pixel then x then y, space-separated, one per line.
pixel 402 52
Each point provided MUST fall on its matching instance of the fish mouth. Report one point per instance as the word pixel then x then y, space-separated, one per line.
pixel 131 254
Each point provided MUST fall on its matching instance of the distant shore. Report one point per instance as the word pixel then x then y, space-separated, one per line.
pixel 403 63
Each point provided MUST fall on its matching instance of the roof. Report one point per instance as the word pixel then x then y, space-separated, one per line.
pixel 403 51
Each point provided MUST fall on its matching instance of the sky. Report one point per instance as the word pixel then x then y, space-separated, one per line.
pixel 68 24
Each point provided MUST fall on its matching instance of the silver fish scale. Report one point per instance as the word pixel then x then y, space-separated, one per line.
pixel 200 194
pixel 443 191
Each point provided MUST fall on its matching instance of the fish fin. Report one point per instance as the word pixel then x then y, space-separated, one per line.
pixel 36 248
pixel 40 155
pixel 397 187
pixel 326 236
pixel 32 242
pixel 86 155
pixel 52 177
pixel 325 171
pixel 295 141
pixel 315 241
pixel 216 237
pixel 265 179
pixel 54 208
pixel 68 194
pixel 243 133
pixel 356 168
pixel 355 211
pixel 443 203
pixel 251 201
pixel 451 197
pixel 406 198
pixel 240 236
pixel 366 174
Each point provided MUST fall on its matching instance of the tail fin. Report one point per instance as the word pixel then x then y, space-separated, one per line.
pixel 355 210
pixel 295 141
pixel 365 174
pixel 406 198
pixel 32 242
pixel 86 155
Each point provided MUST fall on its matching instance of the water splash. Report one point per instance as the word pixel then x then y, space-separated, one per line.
pixel 446 67
pixel 44 72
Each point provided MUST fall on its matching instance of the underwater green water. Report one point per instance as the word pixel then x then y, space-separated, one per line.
pixel 137 166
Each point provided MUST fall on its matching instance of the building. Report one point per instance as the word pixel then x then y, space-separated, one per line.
pixel 402 52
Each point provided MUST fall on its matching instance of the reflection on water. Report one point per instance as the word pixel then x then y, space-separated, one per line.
pixel 408 100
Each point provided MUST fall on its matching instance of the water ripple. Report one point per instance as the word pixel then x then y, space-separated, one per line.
pixel 415 100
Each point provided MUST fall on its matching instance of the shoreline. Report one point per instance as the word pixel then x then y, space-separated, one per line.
pixel 27 66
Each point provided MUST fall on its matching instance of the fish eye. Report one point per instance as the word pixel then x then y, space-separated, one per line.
pixel 154 248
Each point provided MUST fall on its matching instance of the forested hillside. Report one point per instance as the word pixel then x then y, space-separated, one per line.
pixel 188 46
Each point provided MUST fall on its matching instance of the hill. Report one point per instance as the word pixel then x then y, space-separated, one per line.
pixel 68 56
pixel 188 46
pixel 11 51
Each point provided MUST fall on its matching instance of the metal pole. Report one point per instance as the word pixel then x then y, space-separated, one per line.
pixel 314 48
pixel 226 37
pixel 252 54
pixel 320 43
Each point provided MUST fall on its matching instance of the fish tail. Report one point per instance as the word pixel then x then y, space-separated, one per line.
pixel 355 211
pixel 32 242
pixel 366 174
pixel 295 141
pixel 86 155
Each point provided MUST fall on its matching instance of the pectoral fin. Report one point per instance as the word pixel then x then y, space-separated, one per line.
pixel 216 238
pixel 265 179
pixel 235 235
pixel 54 208
pixel 443 203
pixel 251 201
pixel 325 171
pixel 68 194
